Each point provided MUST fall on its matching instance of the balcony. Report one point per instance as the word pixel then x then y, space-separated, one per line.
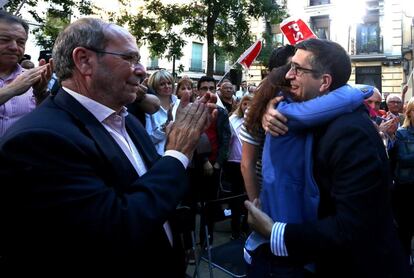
pixel 196 69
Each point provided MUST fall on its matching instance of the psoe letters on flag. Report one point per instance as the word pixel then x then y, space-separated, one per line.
pixel 296 30
pixel 248 56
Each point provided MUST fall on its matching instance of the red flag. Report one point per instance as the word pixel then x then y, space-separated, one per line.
pixel 248 56
pixel 296 30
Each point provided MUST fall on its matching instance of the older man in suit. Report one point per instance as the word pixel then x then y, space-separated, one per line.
pixel 83 189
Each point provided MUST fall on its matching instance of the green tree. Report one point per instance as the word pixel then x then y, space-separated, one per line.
pixel 223 23
pixel 53 19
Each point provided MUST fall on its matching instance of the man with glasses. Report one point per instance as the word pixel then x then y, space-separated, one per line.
pixel 83 190
pixel 395 105
pixel 218 134
pixel 354 234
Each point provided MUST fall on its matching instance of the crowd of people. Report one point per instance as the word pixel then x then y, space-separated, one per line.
pixel 94 170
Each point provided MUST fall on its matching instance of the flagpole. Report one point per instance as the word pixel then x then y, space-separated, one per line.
pixel 231 67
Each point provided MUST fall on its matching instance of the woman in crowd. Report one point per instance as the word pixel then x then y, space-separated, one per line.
pixel 231 168
pixel 162 83
pixel 402 157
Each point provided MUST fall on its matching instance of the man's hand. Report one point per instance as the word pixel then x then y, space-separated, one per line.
pixel 26 79
pixel 190 122
pixel 210 100
pixel 273 121
pixel 389 127
pixel 40 86
pixel 258 220
pixel 405 89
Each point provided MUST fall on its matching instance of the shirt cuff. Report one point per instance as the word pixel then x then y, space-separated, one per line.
pixel 277 240
pixel 178 155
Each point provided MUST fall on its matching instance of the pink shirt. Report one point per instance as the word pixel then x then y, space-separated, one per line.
pixel 16 107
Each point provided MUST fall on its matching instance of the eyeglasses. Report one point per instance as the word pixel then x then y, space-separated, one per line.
pixel 133 60
pixel 394 102
pixel 298 71
pixel 205 89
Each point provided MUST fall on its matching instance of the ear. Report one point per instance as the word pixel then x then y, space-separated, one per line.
pixel 83 59
pixel 326 81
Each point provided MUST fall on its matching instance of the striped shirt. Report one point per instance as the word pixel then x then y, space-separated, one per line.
pixel 16 107
pixel 257 141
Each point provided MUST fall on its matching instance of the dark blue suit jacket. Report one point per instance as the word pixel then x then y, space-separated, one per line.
pixel 72 203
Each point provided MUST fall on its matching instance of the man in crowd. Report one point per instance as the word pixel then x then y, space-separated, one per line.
pixel 20 90
pixel 218 134
pixel 227 96
pixel 354 235
pixel 395 107
pixel 374 102
pixel 83 189
pixel 243 91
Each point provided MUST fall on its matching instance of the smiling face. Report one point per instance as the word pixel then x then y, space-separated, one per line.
pixel 13 39
pixel 164 87
pixel 115 79
pixel 304 85
pixel 394 104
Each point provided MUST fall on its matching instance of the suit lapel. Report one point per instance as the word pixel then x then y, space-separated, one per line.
pixel 123 171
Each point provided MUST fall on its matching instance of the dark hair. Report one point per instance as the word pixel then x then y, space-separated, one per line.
pixel 274 83
pixel 328 57
pixel 280 55
pixel 205 79
pixel 12 19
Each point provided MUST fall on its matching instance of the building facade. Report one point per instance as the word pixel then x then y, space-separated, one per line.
pixel 378 35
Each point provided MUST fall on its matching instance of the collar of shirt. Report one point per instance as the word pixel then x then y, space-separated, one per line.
pixel 100 111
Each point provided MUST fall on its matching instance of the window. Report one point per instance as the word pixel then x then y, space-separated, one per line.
pixel 368 39
pixel 220 64
pixel 318 2
pixel 197 57
pixel 320 26
pixel 369 76
pixel 153 63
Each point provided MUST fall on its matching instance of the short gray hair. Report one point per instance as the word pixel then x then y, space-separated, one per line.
pixel 85 32
pixel 390 96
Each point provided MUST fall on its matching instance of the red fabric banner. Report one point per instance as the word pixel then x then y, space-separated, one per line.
pixel 296 30
pixel 248 56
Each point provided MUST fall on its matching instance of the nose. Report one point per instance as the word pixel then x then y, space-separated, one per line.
pixel 139 70
pixel 12 44
pixel 290 74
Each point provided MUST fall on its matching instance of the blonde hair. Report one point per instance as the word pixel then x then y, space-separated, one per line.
pixel 408 109
pixel 155 79
pixel 239 111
